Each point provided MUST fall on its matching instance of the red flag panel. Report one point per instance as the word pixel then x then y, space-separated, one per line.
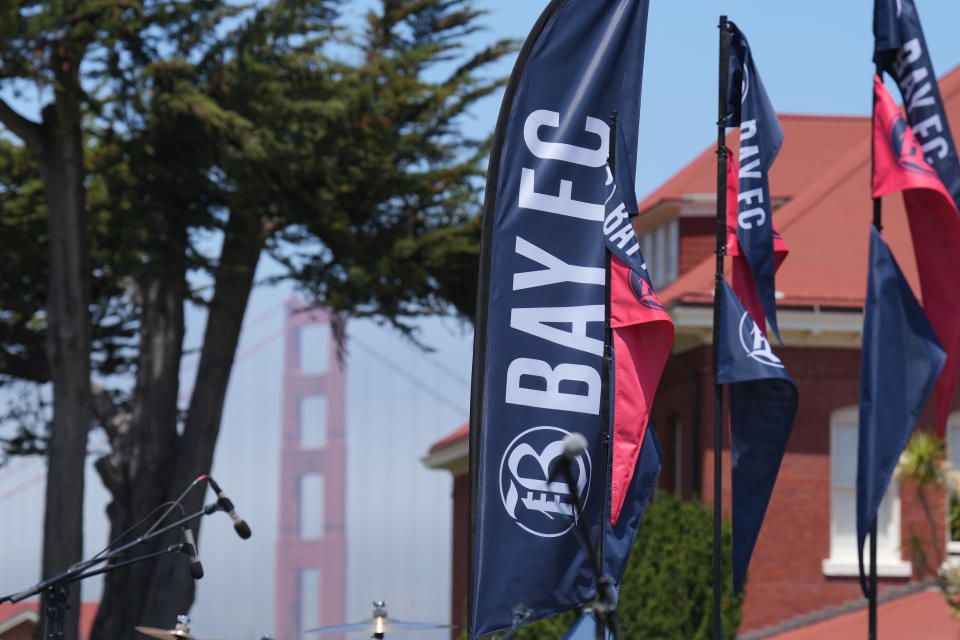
pixel 899 165
pixel 642 337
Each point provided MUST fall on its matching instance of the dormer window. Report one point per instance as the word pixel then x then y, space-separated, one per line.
pixel 660 247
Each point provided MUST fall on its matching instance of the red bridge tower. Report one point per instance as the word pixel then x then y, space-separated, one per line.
pixel 311 541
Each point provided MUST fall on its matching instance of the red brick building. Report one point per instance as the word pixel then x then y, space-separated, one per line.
pixel 805 558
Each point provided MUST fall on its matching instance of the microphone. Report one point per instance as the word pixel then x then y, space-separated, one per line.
pixel 241 527
pixel 574 444
pixel 196 569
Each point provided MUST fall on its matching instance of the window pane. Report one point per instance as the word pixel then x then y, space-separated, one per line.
pixel 843 519
pixel 673 259
pixel 888 527
pixel 843 456
pixel 953 445
pixel 647 249
pixel 660 249
pixel 953 455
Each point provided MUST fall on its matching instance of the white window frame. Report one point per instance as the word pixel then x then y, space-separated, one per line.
pixel 953 442
pixel 843 557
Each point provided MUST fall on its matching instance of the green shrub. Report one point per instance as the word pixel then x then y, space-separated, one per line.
pixel 667 591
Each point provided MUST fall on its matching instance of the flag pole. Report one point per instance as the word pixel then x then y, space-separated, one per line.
pixel 724 73
pixel 603 605
pixel 606 402
pixel 872 600
pixel 872 578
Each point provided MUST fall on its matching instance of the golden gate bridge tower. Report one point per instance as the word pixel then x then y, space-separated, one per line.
pixel 311 541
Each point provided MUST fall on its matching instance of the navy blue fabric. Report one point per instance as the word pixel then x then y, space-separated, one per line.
pixel 626 170
pixel 621 240
pixel 901 50
pixel 901 359
pixel 541 336
pixel 618 540
pixel 760 140
pixel 763 404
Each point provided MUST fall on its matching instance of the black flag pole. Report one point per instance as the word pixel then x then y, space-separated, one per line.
pixel 724 68
pixel 604 608
pixel 872 578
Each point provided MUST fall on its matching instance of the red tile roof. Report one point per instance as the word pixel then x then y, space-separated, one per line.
pixel 456 436
pixel 823 170
pixel 805 136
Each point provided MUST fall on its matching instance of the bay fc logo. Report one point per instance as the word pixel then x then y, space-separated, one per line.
pixel 755 344
pixel 643 292
pixel 905 145
pixel 542 508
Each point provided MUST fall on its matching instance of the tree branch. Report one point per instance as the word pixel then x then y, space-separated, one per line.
pixel 25 129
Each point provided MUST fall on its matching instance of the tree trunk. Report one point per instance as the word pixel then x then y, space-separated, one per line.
pixel 68 343
pixel 137 469
pixel 154 593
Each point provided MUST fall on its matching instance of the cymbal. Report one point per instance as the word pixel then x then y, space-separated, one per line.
pixel 166 634
pixel 389 624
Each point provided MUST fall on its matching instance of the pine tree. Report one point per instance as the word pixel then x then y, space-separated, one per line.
pixel 179 142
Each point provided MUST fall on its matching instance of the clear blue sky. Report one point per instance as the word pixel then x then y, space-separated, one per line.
pixel 814 56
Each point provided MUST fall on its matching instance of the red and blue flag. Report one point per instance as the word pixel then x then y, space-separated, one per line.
pixel 901 50
pixel 642 335
pixel 541 355
pixel 763 404
pixel 761 137
pixel 763 398
pixel 901 357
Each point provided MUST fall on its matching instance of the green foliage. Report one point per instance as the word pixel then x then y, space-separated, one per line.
pixel 922 460
pixel 342 151
pixel 23 269
pixel 211 132
pixel 667 590
pixel 548 629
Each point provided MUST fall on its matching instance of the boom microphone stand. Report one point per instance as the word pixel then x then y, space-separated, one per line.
pixel 57 587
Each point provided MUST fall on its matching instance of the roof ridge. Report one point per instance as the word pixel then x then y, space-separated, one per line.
pixel 835 610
